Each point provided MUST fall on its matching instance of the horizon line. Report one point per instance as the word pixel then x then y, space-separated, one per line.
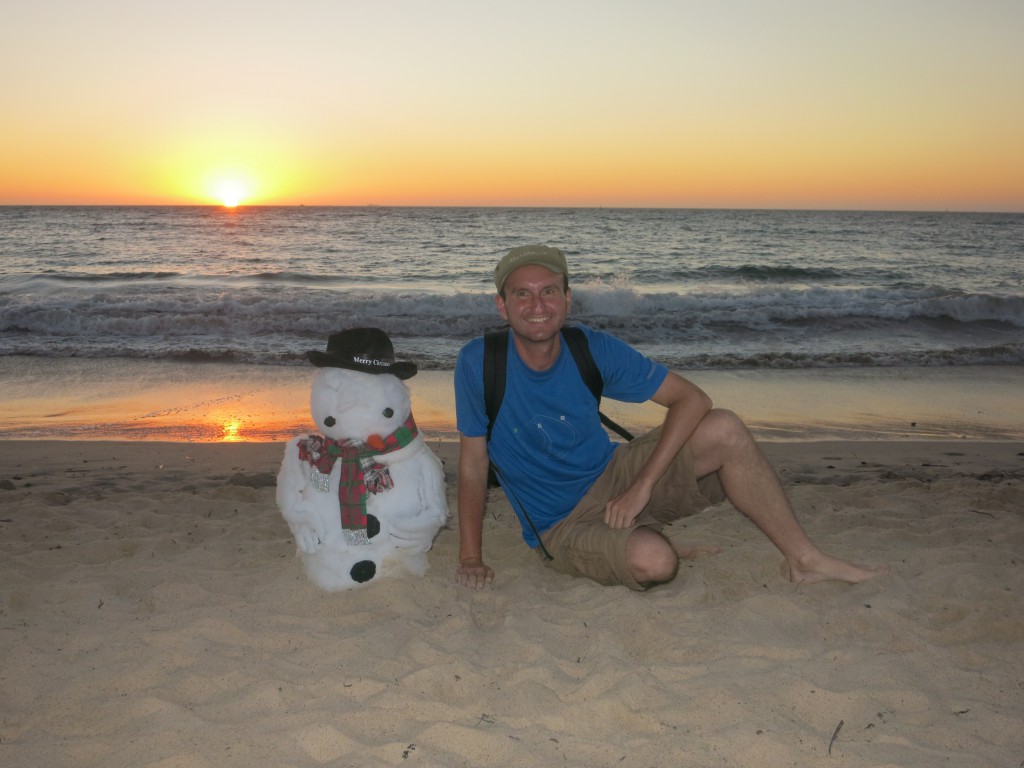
pixel 780 209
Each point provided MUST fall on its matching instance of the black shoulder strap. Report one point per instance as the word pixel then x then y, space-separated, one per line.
pixel 580 348
pixel 496 353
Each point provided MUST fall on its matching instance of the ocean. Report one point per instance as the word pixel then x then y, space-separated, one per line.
pixel 698 289
pixel 102 300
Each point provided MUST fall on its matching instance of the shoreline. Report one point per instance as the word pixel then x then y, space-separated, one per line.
pixel 151 400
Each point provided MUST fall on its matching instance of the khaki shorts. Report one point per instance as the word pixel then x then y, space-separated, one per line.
pixel 583 545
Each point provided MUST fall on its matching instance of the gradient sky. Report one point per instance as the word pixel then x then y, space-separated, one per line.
pixel 889 104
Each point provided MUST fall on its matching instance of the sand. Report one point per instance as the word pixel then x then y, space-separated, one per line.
pixel 153 614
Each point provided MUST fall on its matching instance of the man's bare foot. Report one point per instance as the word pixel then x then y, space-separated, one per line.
pixel 822 567
pixel 689 550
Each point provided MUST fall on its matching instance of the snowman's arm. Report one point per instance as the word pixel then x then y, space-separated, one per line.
pixel 432 504
pixel 292 489
pixel 433 495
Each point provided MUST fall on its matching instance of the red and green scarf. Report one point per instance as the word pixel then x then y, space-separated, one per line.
pixel 361 474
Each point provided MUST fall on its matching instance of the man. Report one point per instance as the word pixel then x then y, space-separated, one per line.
pixel 596 509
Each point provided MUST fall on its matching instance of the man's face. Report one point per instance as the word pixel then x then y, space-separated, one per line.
pixel 536 302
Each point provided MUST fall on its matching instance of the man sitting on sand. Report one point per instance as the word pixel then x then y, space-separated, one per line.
pixel 595 508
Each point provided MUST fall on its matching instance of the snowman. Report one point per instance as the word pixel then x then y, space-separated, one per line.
pixel 366 498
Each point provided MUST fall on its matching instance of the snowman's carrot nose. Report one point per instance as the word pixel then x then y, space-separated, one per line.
pixel 376 442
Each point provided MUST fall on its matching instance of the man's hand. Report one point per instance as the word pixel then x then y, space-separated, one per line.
pixel 473 573
pixel 621 511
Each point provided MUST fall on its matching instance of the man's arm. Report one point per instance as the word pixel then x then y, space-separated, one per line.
pixel 473 464
pixel 687 404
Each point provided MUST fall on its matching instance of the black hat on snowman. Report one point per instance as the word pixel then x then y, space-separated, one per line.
pixel 367 350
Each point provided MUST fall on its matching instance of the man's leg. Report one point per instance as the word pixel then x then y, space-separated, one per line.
pixel 650 556
pixel 638 557
pixel 721 443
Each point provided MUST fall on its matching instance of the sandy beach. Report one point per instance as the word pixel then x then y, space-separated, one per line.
pixel 153 614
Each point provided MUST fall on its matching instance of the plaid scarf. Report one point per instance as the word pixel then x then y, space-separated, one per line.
pixel 360 473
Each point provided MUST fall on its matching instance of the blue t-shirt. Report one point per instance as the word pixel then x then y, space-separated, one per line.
pixel 548 442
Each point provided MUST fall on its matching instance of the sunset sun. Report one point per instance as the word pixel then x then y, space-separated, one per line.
pixel 231 192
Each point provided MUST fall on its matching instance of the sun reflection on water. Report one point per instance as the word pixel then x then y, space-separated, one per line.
pixel 231 431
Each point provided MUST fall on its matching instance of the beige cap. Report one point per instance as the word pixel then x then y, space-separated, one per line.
pixel 540 255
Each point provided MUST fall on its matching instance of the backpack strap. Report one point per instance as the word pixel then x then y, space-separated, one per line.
pixel 495 355
pixel 580 348
pixel 495 359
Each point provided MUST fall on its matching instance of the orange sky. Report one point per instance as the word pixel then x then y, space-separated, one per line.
pixel 883 105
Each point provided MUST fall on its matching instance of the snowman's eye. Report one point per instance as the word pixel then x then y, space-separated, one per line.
pixel 330 421
pixel 388 413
